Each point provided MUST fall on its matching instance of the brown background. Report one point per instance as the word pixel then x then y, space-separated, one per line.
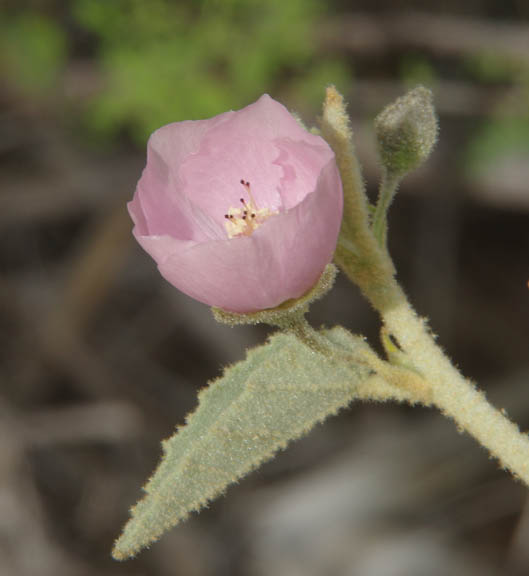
pixel 100 357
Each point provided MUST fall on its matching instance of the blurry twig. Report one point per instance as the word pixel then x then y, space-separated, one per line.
pixel 22 520
pixel 452 98
pixel 95 422
pixel 518 554
pixel 96 265
pixel 41 198
pixel 54 328
pixel 443 35
pixel 24 524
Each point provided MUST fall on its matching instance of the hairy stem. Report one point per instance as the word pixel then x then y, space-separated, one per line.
pixel 298 325
pixel 365 260
pixel 455 396
pixel 379 226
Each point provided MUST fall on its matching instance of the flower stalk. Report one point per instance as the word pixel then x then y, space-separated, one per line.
pixel 388 189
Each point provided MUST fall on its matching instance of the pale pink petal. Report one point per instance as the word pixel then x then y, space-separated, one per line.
pixel 301 163
pixel 265 119
pixel 211 178
pixel 192 179
pixel 159 247
pixel 166 209
pixel 175 142
pixel 281 260
pixel 137 216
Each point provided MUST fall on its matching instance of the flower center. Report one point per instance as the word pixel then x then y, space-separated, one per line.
pixel 243 221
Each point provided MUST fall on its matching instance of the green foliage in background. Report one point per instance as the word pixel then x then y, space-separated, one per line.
pixel 497 138
pixel 166 61
pixel 506 132
pixel 417 69
pixel 160 61
pixel 32 53
pixel 495 68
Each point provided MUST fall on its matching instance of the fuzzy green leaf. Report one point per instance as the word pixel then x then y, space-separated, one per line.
pixel 277 394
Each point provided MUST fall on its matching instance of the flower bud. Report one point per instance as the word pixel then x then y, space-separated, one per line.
pixel 406 131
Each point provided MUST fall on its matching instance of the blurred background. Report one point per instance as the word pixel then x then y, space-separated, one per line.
pixel 100 358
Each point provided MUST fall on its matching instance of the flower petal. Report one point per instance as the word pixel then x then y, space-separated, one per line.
pixel 192 179
pixel 212 178
pixel 301 163
pixel 267 119
pixel 281 260
pixel 165 208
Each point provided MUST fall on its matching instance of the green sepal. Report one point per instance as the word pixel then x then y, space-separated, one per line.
pixel 283 313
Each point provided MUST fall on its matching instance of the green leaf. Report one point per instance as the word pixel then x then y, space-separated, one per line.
pixel 277 394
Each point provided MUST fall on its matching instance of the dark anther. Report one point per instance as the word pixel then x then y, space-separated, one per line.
pixel 253 215
pixel 226 216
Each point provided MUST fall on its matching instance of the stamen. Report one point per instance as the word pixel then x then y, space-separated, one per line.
pixel 245 220
pixel 246 184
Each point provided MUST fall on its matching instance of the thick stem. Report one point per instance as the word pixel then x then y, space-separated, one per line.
pixel 454 395
pixel 449 390
pixel 367 263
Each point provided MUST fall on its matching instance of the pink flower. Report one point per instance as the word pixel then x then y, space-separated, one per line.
pixel 241 211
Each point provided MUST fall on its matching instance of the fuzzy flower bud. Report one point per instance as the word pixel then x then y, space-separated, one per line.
pixel 407 131
pixel 241 211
